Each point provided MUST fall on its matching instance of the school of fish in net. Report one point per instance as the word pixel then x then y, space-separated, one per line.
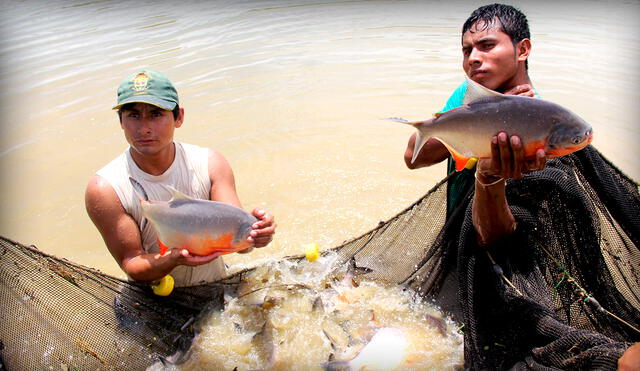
pixel 294 314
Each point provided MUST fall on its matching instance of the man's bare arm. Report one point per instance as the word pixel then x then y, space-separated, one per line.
pixel 121 235
pixel 491 215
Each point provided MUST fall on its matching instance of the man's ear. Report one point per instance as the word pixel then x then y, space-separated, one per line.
pixel 180 118
pixel 523 49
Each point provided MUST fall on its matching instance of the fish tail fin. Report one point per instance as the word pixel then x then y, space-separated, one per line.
pixel 336 366
pixel 421 138
pixel 139 189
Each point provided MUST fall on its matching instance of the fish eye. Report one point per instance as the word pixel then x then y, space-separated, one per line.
pixel 576 140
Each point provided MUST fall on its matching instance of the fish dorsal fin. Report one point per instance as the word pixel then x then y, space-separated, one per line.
pixel 476 91
pixel 177 195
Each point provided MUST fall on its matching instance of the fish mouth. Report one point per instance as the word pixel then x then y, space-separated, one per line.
pixel 588 141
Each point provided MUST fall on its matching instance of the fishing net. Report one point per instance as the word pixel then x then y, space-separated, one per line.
pixel 562 292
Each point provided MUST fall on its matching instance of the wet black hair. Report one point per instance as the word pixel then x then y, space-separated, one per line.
pixel 128 106
pixel 509 19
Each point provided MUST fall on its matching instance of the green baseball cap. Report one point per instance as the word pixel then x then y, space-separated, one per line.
pixel 150 87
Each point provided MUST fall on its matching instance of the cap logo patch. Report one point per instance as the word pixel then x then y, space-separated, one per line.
pixel 140 82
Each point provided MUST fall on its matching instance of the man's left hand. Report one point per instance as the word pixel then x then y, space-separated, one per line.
pixel 524 90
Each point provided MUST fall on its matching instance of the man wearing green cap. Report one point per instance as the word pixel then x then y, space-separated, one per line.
pixel 149 112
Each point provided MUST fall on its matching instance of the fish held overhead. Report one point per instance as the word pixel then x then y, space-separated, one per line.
pixel 466 131
pixel 202 227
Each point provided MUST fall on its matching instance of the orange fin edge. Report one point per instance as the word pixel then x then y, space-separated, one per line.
pixel 461 161
pixel 163 248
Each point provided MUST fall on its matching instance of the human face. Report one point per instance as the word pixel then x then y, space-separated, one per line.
pixel 490 58
pixel 149 129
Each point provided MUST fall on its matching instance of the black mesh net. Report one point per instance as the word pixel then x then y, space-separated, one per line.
pixel 563 292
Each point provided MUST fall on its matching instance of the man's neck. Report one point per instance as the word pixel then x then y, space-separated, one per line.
pixel 520 78
pixel 157 163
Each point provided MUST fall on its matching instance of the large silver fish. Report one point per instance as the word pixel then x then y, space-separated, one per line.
pixel 201 226
pixel 466 131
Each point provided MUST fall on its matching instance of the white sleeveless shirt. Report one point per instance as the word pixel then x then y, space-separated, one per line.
pixel 189 173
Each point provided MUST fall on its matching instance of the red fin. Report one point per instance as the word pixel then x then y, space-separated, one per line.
pixel 163 248
pixel 438 114
pixel 461 161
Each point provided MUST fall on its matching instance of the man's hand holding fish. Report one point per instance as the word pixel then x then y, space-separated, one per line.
pixel 262 230
pixel 491 214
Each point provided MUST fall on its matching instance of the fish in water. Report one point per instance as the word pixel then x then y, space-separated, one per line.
pixel 466 131
pixel 202 227
pixel 294 314
pixel 385 351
